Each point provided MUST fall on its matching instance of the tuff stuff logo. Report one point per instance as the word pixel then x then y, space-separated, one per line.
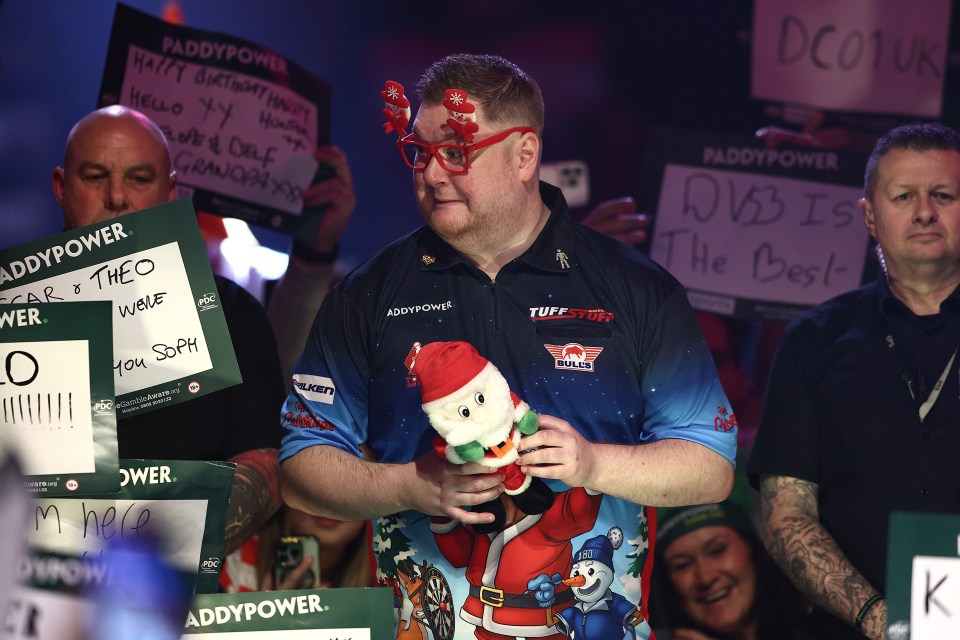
pixel 573 356
pixel 538 314
pixel 316 388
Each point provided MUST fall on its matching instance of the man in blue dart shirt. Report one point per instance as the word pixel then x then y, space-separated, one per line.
pixel 596 338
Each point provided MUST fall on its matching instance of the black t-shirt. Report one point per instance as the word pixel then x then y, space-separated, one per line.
pixel 839 413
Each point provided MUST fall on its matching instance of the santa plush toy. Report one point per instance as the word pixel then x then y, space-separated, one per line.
pixel 479 419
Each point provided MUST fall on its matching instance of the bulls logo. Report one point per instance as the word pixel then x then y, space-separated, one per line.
pixel 573 356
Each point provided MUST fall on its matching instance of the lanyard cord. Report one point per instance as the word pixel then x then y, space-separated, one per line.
pixel 931 399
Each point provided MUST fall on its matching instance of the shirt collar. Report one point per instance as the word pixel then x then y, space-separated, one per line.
pixel 551 251
pixel 887 302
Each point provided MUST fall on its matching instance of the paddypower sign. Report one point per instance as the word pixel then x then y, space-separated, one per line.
pixel 170 338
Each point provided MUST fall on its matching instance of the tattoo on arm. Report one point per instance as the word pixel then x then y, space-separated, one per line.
pixel 254 496
pixel 806 552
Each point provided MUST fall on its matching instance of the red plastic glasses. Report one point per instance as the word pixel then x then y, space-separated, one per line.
pixel 454 158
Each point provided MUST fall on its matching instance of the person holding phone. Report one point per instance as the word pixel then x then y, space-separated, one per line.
pixel 296 550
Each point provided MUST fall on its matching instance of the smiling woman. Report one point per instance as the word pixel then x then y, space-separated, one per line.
pixel 713 579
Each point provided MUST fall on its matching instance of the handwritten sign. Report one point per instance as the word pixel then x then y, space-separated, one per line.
pixel 751 231
pixel 56 396
pixel 170 337
pixel 319 614
pixel 923 576
pixel 858 55
pixel 242 121
pixel 182 503
pixel 79 550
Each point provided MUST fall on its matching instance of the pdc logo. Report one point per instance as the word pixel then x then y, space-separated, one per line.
pixel 210 565
pixel 207 301
pixel 103 407
pixel 193 387
pixel 71 485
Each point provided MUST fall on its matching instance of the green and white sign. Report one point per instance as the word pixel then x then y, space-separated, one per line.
pixel 170 338
pixel 923 576
pixel 56 396
pixel 317 614
pixel 79 549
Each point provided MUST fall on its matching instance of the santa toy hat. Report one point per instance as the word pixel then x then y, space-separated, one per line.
pixel 456 100
pixel 393 94
pixel 445 367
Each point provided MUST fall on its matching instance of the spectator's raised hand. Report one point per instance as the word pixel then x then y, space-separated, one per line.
pixel 335 194
pixel 620 220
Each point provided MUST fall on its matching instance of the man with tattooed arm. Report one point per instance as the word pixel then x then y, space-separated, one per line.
pixel 861 414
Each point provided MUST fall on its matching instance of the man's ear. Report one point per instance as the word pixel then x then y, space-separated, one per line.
pixel 56 181
pixel 869 217
pixel 172 193
pixel 528 155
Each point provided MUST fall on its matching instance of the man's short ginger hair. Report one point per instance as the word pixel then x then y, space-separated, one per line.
pixel 918 136
pixel 508 94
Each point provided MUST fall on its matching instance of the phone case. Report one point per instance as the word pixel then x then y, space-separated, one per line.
pixel 290 550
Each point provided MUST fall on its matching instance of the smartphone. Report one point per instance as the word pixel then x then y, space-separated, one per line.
pixel 290 551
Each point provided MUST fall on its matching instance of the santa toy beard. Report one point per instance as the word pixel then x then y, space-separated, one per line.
pixel 481 411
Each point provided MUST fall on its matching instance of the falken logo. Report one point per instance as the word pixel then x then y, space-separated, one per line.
pixel 573 356
pixel 316 388
pixel 420 308
pixel 570 313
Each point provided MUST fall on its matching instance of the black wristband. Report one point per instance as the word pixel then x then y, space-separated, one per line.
pixel 874 599
pixel 310 255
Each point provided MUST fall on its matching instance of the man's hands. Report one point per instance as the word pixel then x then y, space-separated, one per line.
pixel 563 453
pixel 336 194
pixel 444 489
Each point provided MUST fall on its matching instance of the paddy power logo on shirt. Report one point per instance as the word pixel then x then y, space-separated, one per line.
pixel 420 308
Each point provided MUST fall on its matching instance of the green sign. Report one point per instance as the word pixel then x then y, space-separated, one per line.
pixel 56 396
pixel 170 339
pixel 923 576
pixel 318 614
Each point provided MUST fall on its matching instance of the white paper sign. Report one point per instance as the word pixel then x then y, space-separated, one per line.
pixel 71 526
pixel 856 55
pixel 762 237
pixel 208 115
pixel 935 598
pixel 50 414
pixel 153 311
